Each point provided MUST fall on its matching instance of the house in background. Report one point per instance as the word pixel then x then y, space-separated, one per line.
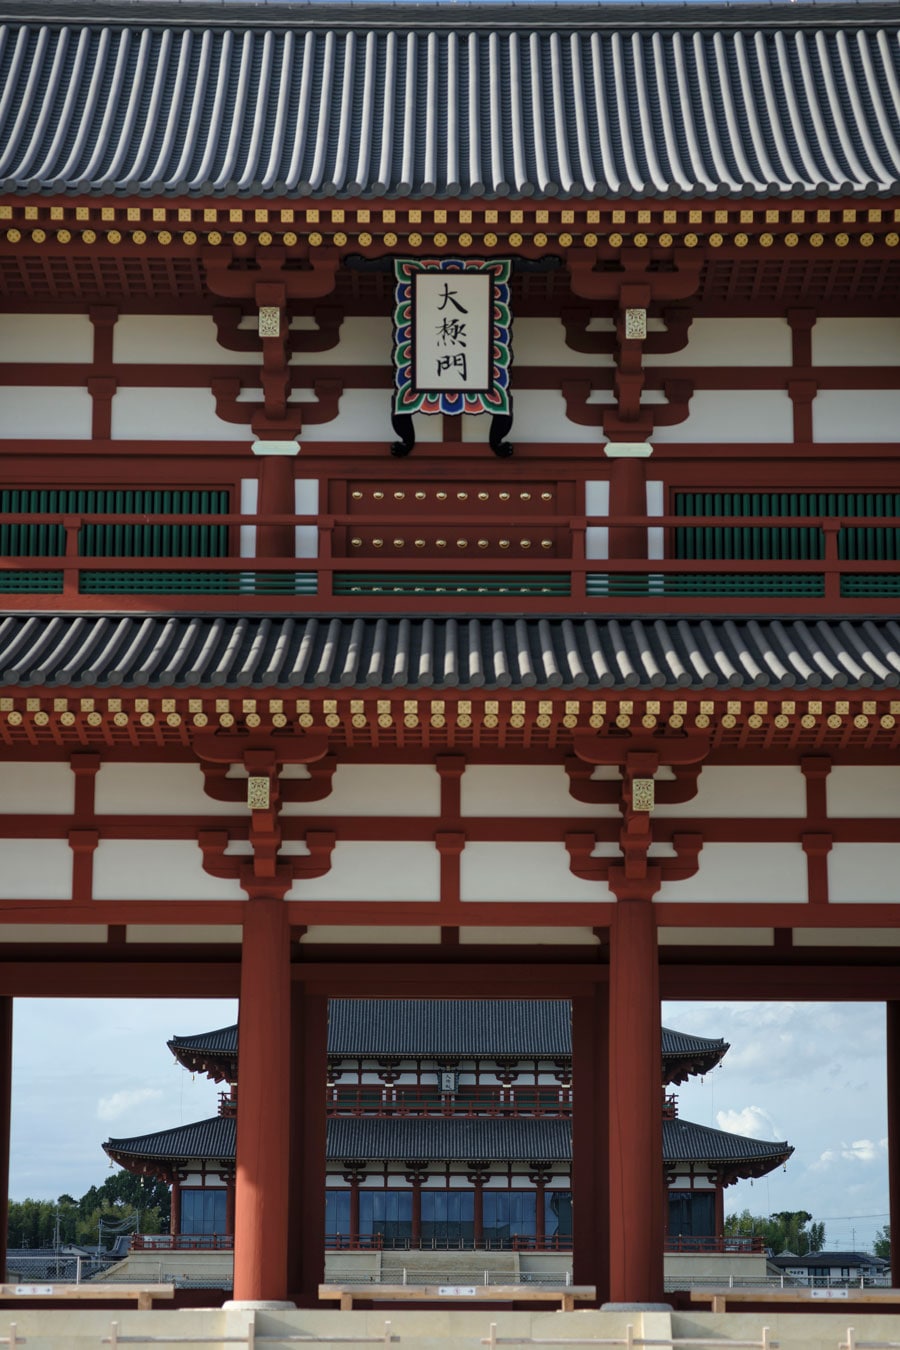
pixel 449 1130
pixel 833 1269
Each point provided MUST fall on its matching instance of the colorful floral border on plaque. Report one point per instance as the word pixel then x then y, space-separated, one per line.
pixel 408 399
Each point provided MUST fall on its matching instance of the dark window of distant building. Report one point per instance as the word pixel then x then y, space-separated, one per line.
pixel 386 1215
pixel 203 1211
pixel 337 1215
pixel 558 1215
pixel 448 1218
pixel 509 1215
pixel 692 1214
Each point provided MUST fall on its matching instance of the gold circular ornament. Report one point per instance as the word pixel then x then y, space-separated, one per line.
pixel 88 237
pixel 570 721
pixel 691 241
pixel 63 236
pixel 226 719
pixel 200 720
pixel 867 240
pixel 701 721
pixel 566 241
pixel 415 239
pixel 214 237
pixel 239 238
pixel 842 239
pixel 279 720
pixel 464 721
pixel 340 239
pixel 316 239
pixel 390 239
pixel 490 240
pixel 385 721
pixel 640 240
pixel 517 721
pixel 440 240
pixel 541 240
pixel 140 237
pixel 289 239
pixel 543 721
pixel 41 719
pixel 615 241
pixel 265 239
pixel 147 719
pixel 861 722
pixel 817 240
pixel 365 239
pixel 676 721
pixel 306 720
pixel 465 240
pixel 14 719
pixel 807 721
pixel 729 721
pixel 253 720
pixel 516 240
pixel 595 721
pixel 438 721
pixel 190 238
pixel 742 240
pixel 767 240
pixel 666 240
pixel 67 719
pixel 491 721
pixel 781 721
pixel 165 238
pixel 411 721
pixel 888 722
pixel 173 719
pixel 114 237
pixel 591 240
pixel 14 236
pixel 792 240
pixel 835 722
pixel 358 720
pixel 332 720
pixel 120 719
pixel 755 721
pixel 648 721
pixel 623 720
pixel 38 236
pixel 95 719
pixel 892 239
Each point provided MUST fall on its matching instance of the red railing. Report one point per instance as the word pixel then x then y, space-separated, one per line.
pixel 573 581
pixel 361 1100
pixel 182 1242
pixel 728 1245
pixel 350 1242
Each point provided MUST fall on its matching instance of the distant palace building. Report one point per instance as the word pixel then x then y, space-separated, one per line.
pixel 449 1126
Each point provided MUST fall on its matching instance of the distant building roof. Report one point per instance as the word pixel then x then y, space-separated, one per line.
pixel 455 1138
pixel 298 652
pixel 822 1260
pixel 446 101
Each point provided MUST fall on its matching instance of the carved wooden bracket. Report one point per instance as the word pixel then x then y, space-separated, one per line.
pixel 268 280
pixel 322 338
pixel 315 788
pixel 576 318
pixel 276 874
pixel 640 420
pixel 276 417
pixel 638 878
pixel 608 792
pixel 680 282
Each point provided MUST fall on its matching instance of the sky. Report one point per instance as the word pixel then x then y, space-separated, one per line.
pixel 88 1070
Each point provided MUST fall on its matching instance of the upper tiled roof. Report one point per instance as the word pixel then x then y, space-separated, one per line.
pixel 429 1027
pixel 163 652
pixel 436 101
pixel 221 1042
pixel 685 1142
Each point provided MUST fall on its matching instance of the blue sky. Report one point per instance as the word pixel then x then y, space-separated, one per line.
pixel 814 1074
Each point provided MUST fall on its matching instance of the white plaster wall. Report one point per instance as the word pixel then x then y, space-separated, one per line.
pixel 508 790
pixel 47 789
pixel 734 416
pixel 365 415
pixel 367 936
pixel 542 342
pixel 860 873
pixel 362 870
pixel 171 415
pixel 856 342
pixel 167 339
pixel 873 790
pixel 52 932
pixel 731 342
pixel 739 790
pixel 847 937
pixel 716 937
pixel 158 789
pixel 377 790
pixel 856 415
pixel 35 869
pixel 523 871
pixel 153 869
pixel 178 933
pixel 747 872
pixel 538 415
pixel 529 937
pixel 34 413
pixel 365 340
pixel 46 337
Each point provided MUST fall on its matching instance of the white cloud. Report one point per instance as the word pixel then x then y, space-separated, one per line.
pixel 110 1108
pixel 860 1150
pixel 750 1120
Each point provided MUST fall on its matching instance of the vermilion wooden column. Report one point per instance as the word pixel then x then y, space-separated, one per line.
pixel 627 497
pixel 306 1250
pixel 6 1046
pixel 635 1107
pixel 590 1073
pixel 175 1212
pixel 263 1119
pixel 276 498
pixel 893 1127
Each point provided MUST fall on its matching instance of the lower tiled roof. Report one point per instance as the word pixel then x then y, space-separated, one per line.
pixel 164 652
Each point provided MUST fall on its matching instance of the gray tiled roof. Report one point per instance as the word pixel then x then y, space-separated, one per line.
pixel 449 1027
pixel 161 652
pixel 520 1139
pixel 221 1042
pixel 679 1043
pixel 387 101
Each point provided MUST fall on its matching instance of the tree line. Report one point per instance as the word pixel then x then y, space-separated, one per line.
pixel 36 1223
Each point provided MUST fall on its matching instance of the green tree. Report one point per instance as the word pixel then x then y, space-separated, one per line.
pixel 785 1231
pixel 35 1223
pixel 882 1244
